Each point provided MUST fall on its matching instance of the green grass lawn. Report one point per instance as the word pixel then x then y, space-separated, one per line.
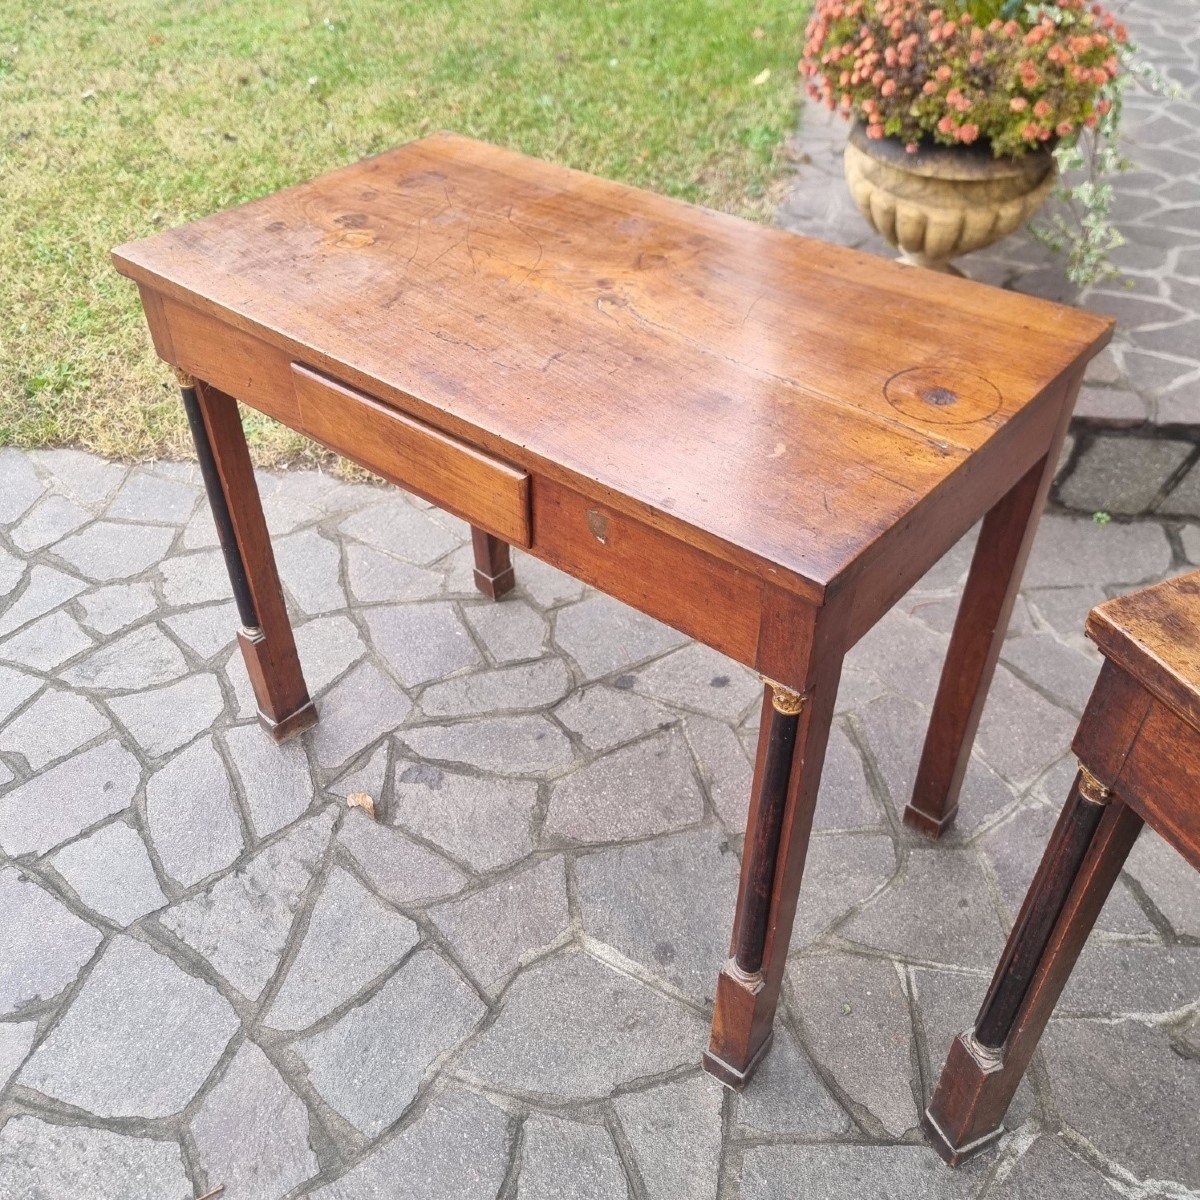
pixel 122 117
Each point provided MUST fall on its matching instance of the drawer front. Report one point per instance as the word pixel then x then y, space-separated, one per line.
pixel 451 474
pixel 702 596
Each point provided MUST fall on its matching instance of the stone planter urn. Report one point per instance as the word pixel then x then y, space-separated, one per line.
pixel 943 201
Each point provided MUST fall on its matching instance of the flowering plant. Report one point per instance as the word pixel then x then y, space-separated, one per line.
pixel 1007 74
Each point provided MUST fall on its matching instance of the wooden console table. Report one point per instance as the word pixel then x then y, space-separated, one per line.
pixel 759 439
pixel 1139 763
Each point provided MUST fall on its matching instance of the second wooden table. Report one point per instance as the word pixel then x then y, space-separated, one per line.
pixel 761 440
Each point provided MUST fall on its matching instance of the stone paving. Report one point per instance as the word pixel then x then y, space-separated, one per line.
pixel 1136 438
pixel 213 971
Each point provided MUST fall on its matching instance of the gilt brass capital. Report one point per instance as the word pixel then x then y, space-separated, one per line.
pixel 1091 789
pixel 785 700
pixel 185 380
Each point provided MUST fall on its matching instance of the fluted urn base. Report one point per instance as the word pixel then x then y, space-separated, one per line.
pixel 943 201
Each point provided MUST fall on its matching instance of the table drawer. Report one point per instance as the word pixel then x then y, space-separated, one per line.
pixel 451 474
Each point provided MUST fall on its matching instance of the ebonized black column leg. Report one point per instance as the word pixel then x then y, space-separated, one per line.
pixel 787 776
pixel 266 641
pixel 985 1065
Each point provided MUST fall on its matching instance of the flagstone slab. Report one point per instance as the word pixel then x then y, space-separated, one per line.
pixel 165 718
pixel 484 822
pixel 241 924
pixel 421 642
pixel 603 635
pixel 1102 1075
pixel 110 871
pixel 310 566
pixel 190 579
pixel 191 816
pixel 361 707
pixel 206 630
pixel 12 569
pixel 47 643
pixel 698 678
pixel 396 867
pixel 16 1038
pixel 374 577
pixel 56 805
pixel 56 723
pixel 20 486
pixel 497 929
pixel 251 1133
pixel 525 686
pixel 138 1041
pixel 43 945
pixel 87 477
pixel 605 716
pixel 456 1150
pixel 144 493
pixel 565 1160
pixel 369 1065
pixel 1048 1168
pixel 638 791
pixel 327 647
pixel 938 910
pixel 787 1096
pixel 572 1028
pixel 521 745
pixel 351 940
pixel 666 904
pixel 398 528
pixel 143 658
pixel 45 589
pixel 855 1018
pixel 108 610
pixel 864 1172
pixel 51 518
pixel 725 768
pixel 40 1160
pixel 276 780
pixel 106 550
pixel 15 688
pixel 675 1132
pixel 512 631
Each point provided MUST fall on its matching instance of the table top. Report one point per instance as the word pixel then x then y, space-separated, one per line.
pixel 790 400
pixel 1154 635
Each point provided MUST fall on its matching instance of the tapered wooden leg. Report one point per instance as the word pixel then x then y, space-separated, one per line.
pixel 983 615
pixel 266 641
pixel 787 775
pixel 493 566
pixel 1089 845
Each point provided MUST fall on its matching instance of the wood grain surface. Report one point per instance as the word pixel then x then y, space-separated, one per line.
pixel 784 404
pixel 1154 635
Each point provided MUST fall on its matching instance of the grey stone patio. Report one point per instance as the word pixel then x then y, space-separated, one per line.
pixel 213 971
pixel 1136 438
